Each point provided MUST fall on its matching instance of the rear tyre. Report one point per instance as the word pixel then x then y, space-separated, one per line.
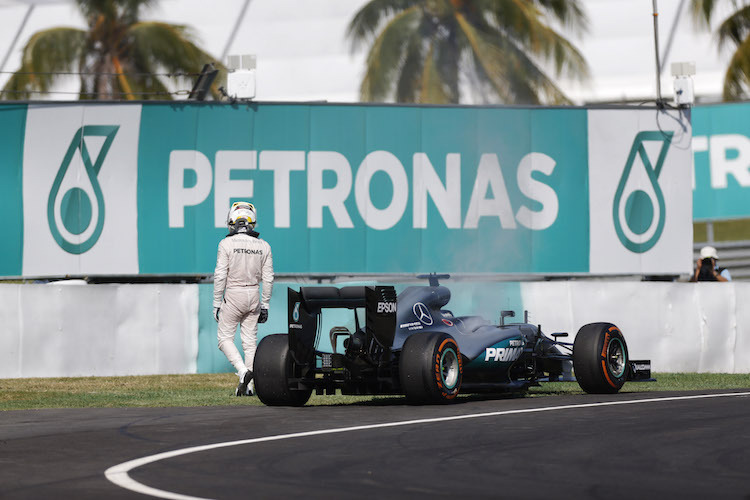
pixel 600 358
pixel 274 367
pixel 430 368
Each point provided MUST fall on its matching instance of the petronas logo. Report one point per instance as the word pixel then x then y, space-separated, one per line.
pixel 639 217
pixel 75 208
pixel 295 312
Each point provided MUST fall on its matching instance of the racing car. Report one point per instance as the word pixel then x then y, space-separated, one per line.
pixel 411 344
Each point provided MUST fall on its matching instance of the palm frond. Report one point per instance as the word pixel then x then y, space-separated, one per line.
pixel 516 24
pixel 115 56
pixel 550 45
pixel 433 89
pixel 97 12
pixel 513 75
pixel 408 80
pixel 487 57
pixel 123 11
pixel 367 21
pixel 570 13
pixel 47 52
pixel 735 28
pixel 737 78
pixel 132 9
pixel 20 86
pixel 448 66
pixel 55 49
pixel 516 19
pixel 170 46
pixel 386 55
pixel 522 22
pixel 702 11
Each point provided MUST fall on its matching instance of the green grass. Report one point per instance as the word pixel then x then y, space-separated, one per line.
pixel 664 382
pixel 217 390
pixel 700 234
pixel 732 230
pixel 725 230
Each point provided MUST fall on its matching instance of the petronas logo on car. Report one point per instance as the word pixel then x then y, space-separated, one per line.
pixel 75 207
pixel 639 212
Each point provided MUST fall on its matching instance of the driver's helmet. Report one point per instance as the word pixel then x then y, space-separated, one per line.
pixel 242 213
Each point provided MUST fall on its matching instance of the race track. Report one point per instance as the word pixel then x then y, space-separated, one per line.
pixel 645 445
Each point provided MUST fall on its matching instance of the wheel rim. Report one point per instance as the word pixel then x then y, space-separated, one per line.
pixel 616 357
pixel 449 368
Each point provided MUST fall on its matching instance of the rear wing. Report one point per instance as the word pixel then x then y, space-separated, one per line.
pixel 305 306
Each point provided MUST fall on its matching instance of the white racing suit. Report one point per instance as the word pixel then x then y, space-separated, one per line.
pixel 242 263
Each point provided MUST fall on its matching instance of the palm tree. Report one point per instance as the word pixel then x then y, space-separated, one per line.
pixel 431 51
pixel 117 56
pixel 735 29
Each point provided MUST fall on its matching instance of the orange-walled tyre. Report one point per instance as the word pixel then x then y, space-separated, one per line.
pixel 430 368
pixel 600 358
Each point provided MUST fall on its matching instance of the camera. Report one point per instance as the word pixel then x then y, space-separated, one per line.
pixel 706 272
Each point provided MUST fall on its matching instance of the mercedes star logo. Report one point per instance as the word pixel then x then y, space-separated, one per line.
pixel 422 313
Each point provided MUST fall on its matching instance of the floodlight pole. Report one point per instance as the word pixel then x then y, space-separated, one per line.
pixel 656 48
pixel 18 34
pixel 236 28
pixel 670 39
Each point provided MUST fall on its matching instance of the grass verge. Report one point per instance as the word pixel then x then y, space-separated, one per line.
pixel 218 390
pixel 724 230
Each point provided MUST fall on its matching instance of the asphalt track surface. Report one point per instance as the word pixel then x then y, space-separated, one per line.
pixel 646 445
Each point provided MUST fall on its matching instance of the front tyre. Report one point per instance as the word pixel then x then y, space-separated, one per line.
pixel 430 368
pixel 600 358
pixel 274 367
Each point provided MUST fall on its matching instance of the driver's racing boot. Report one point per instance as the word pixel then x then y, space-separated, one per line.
pixel 245 379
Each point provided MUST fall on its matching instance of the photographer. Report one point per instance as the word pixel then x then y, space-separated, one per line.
pixel 707 269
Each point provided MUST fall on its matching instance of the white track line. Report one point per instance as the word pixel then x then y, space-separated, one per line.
pixel 118 474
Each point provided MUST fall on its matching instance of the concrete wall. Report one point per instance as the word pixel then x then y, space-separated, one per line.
pixel 97 330
pixel 104 330
pixel 681 327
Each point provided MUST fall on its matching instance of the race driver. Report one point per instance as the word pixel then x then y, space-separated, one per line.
pixel 243 262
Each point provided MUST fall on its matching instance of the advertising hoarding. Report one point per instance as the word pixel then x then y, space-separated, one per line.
pixel 144 188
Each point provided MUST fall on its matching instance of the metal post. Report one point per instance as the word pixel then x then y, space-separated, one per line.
pixel 236 28
pixel 18 34
pixel 656 46
pixel 672 32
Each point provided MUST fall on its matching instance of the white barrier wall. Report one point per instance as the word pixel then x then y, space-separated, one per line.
pixel 96 330
pixel 104 330
pixel 680 327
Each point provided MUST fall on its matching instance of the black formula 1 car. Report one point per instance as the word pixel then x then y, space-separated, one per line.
pixel 412 345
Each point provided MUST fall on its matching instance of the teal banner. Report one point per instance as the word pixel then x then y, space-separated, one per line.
pixel 721 147
pixel 367 189
pixel 12 123
pixel 125 189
